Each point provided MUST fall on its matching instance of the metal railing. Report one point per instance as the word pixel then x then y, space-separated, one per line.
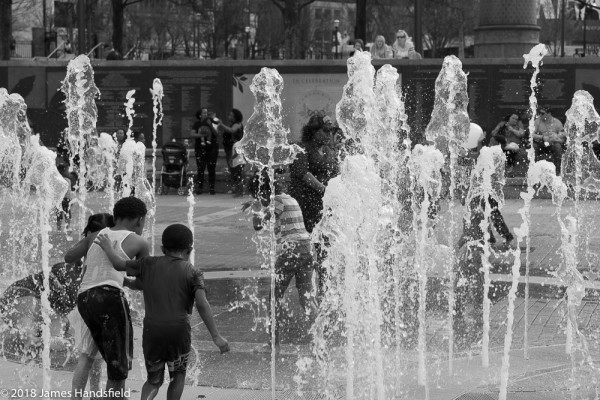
pixel 22 50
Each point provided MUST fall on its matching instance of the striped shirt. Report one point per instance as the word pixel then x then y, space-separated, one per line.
pixel 289 223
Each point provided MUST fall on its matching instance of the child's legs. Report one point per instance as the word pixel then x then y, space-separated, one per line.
pixel 284 271
pixel 177 371
pixel 498 221
pixel 228 154
pixel 303 275
pixel 154 338
pixel 95 374
pixel 175 389
pixel 80 375
pixel 155 371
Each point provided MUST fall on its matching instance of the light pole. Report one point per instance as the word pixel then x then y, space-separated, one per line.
pixel 253 27
pixel 585 5
pixel 193 19
pixel 336 26
pixel 418 39
pixel 562 28
pixel 197 19
pixel 246 48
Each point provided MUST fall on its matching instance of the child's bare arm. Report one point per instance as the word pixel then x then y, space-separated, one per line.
pixel 104 242
pixel 80 249
pixel 206 314
pixel 258 217
pixel 132 283
pixel 144 248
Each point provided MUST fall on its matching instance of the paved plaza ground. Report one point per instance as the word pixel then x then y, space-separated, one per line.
pixel 225 251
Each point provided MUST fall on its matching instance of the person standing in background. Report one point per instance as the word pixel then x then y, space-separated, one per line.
pixel 231 135
pixel 207 154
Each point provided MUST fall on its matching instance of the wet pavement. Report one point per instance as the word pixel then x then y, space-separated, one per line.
pixel 225 251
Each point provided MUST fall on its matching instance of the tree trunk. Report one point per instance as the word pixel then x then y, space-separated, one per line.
pixel 461 38
pixel 360 30
pixel 5 28
pixel 186 44
pixel 290 20
pixel 117 20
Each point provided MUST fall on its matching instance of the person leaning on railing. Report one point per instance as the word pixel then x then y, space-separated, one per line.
pixel 380 50
pixel 404 47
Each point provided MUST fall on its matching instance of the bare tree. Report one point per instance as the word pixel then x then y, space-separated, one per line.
pixel 386 18
pixel 269 32
pixel 118 8
pixel 290 10
pixel 219 23
pixel 551 28
pixel 5 28
pixel 446 21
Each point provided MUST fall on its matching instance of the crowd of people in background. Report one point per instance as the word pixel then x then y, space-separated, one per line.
pixel 402 48
pixel 206 131
pixel 513 134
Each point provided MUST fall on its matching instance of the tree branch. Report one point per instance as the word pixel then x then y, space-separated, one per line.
pixel 278 5
pixel 130 2
pixel 305 4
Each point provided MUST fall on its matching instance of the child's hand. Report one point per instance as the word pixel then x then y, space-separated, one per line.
pixel 222 344
pixel 103 241
pixel 246 205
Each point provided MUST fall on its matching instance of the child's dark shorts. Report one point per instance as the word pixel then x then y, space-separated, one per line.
pixel 105 311
pixel 166 344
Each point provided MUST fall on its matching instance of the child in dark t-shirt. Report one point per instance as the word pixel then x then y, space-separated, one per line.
pixel 170 285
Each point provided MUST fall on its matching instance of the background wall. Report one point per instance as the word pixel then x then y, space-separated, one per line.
pixel 496 88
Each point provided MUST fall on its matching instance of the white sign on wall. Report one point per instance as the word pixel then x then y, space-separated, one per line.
pixel 303 95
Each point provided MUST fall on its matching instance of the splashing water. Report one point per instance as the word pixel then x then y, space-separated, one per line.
pixel 426 183
pixel 190 215
pixel 350 309
pixel 33 196
pixel 580 174
pixel 129 111
pixel 265 145
pixel 487 183
pixel 108 150
pixel 51 188
pixel 127 156
pixel 448 129
pixel 349 243
pixel 14 135
pixel 157 95
pixel 80 102
pixel 393 153
pixel 370 247
pixel 535 56
pixel 11 109
pixel 142 187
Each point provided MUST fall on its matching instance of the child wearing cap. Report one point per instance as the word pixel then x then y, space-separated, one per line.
pixel 170 285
